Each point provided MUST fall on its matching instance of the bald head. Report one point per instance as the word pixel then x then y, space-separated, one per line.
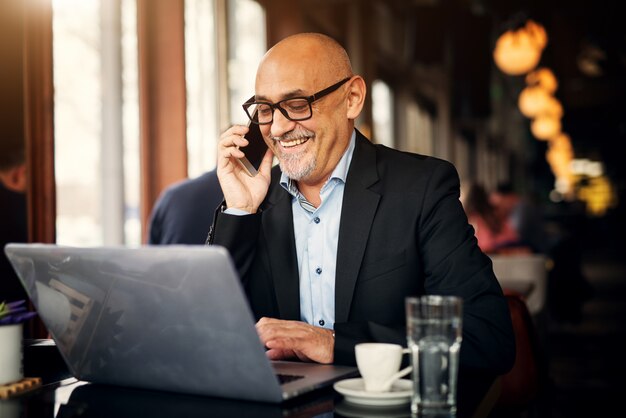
pixel 301 67
pixel 314 56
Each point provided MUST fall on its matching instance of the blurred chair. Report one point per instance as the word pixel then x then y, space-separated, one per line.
pixel 525 274
pixel 488 403
pixel 521 385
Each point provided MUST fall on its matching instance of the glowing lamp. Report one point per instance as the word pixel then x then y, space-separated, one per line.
pixel 533 100
pixel 545 126
pixel 544 78
pixel 562 141
pixel 518 51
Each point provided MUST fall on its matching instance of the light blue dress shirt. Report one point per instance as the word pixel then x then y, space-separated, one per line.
pixel 316 236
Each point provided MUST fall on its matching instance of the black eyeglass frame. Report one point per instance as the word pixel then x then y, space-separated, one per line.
pixel 273 106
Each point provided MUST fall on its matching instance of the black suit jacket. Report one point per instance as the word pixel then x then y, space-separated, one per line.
pixel 182 213
pixel 403 232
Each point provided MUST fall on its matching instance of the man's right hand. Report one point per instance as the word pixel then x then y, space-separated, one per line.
pixel 241 191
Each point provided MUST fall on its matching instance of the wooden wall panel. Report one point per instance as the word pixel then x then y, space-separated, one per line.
pixel 39 120
pixel 162 98
pixel 39 129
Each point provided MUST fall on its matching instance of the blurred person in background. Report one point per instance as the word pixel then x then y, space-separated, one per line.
pixel 524 214
pixel 568 288
pixel 495 233
pixel 13 224
pixel 184 211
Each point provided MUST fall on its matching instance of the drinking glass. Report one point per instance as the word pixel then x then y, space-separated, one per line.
pixel 434 334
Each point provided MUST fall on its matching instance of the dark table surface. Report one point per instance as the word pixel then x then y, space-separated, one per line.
pixel 63 396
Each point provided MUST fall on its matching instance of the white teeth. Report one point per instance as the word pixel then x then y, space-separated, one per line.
pixel 288 143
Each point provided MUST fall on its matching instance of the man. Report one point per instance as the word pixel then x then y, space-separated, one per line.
pixel 13 225
pixel 524 215
pixel 183 212
pixel 331 242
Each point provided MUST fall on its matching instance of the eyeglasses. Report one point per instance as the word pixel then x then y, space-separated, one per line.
pixel 295 108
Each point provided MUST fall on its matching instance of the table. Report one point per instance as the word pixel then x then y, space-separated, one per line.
pixel 63 396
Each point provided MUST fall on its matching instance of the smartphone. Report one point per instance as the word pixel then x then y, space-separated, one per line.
pixel 255 150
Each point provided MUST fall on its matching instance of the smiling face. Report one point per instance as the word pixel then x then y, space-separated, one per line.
pixel 302 65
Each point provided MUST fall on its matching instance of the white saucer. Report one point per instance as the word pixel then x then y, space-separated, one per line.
pixel 353 391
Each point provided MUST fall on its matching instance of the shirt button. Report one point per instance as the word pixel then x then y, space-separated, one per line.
pixel 318 270
pixel 316 220
pixel 321 322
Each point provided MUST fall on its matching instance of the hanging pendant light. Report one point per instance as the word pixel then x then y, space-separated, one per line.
pixel 518 51
pixel 544 78
pixel 560 155
pixel 533 100
pixel 562 142
pixel 545 126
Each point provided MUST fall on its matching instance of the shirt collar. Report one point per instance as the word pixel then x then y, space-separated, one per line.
pixel 340 172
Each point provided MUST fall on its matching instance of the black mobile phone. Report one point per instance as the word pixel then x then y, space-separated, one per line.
pixel 255 150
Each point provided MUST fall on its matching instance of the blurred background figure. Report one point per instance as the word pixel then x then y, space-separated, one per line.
pixel 524 214
pixel 568 288
pixel 495 233
pixel 183 213
pixel 13 223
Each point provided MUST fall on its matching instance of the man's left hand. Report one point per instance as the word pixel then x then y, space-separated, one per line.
pixel 290 339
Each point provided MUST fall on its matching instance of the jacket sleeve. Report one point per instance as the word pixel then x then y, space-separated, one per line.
pixel 451 263
pixel 455 265
pixel 239 235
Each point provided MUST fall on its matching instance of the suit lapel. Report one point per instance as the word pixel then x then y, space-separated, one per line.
pixel 278 224
pixel 357 215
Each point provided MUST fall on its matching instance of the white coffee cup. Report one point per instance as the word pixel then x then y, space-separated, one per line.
pixel 379 363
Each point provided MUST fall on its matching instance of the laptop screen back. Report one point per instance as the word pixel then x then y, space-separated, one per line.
pixel 172 318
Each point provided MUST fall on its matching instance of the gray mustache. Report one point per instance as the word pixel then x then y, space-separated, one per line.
pixel 294 135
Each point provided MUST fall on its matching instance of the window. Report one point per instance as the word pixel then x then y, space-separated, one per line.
pixel 97 108
pixel 207 64
pixel 420 128
pixel 246 33
pixel 96 122
pixel 382 113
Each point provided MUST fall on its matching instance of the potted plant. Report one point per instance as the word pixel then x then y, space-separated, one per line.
pixel 12 317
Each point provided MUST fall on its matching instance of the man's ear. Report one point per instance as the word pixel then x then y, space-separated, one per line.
pixel 14 178
pixel 356 97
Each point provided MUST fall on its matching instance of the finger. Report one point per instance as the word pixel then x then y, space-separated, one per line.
pixel 234 136
pixel 266 323
pixel 268 332
pixel 264 328
pixel 228 148
pixel 269 328
pixel 290 348
pixel 266 164
pixel 280 322
pixel 239 130
pixel 232 152
pixel 264 320
pixel 233 141
pixel 279 354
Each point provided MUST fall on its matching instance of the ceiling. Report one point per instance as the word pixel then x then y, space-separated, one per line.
pixel 587 52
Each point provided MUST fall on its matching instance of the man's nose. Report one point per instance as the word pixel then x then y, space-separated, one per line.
pixel 280 124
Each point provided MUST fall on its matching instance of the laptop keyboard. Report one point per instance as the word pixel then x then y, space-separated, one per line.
pixel 286 378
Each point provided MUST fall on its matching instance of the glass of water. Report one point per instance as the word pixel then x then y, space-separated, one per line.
pixel 434 334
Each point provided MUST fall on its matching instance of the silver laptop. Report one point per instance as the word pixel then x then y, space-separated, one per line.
pixel 171 318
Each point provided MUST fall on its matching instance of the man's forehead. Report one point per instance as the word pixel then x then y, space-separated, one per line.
pixel 280 85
